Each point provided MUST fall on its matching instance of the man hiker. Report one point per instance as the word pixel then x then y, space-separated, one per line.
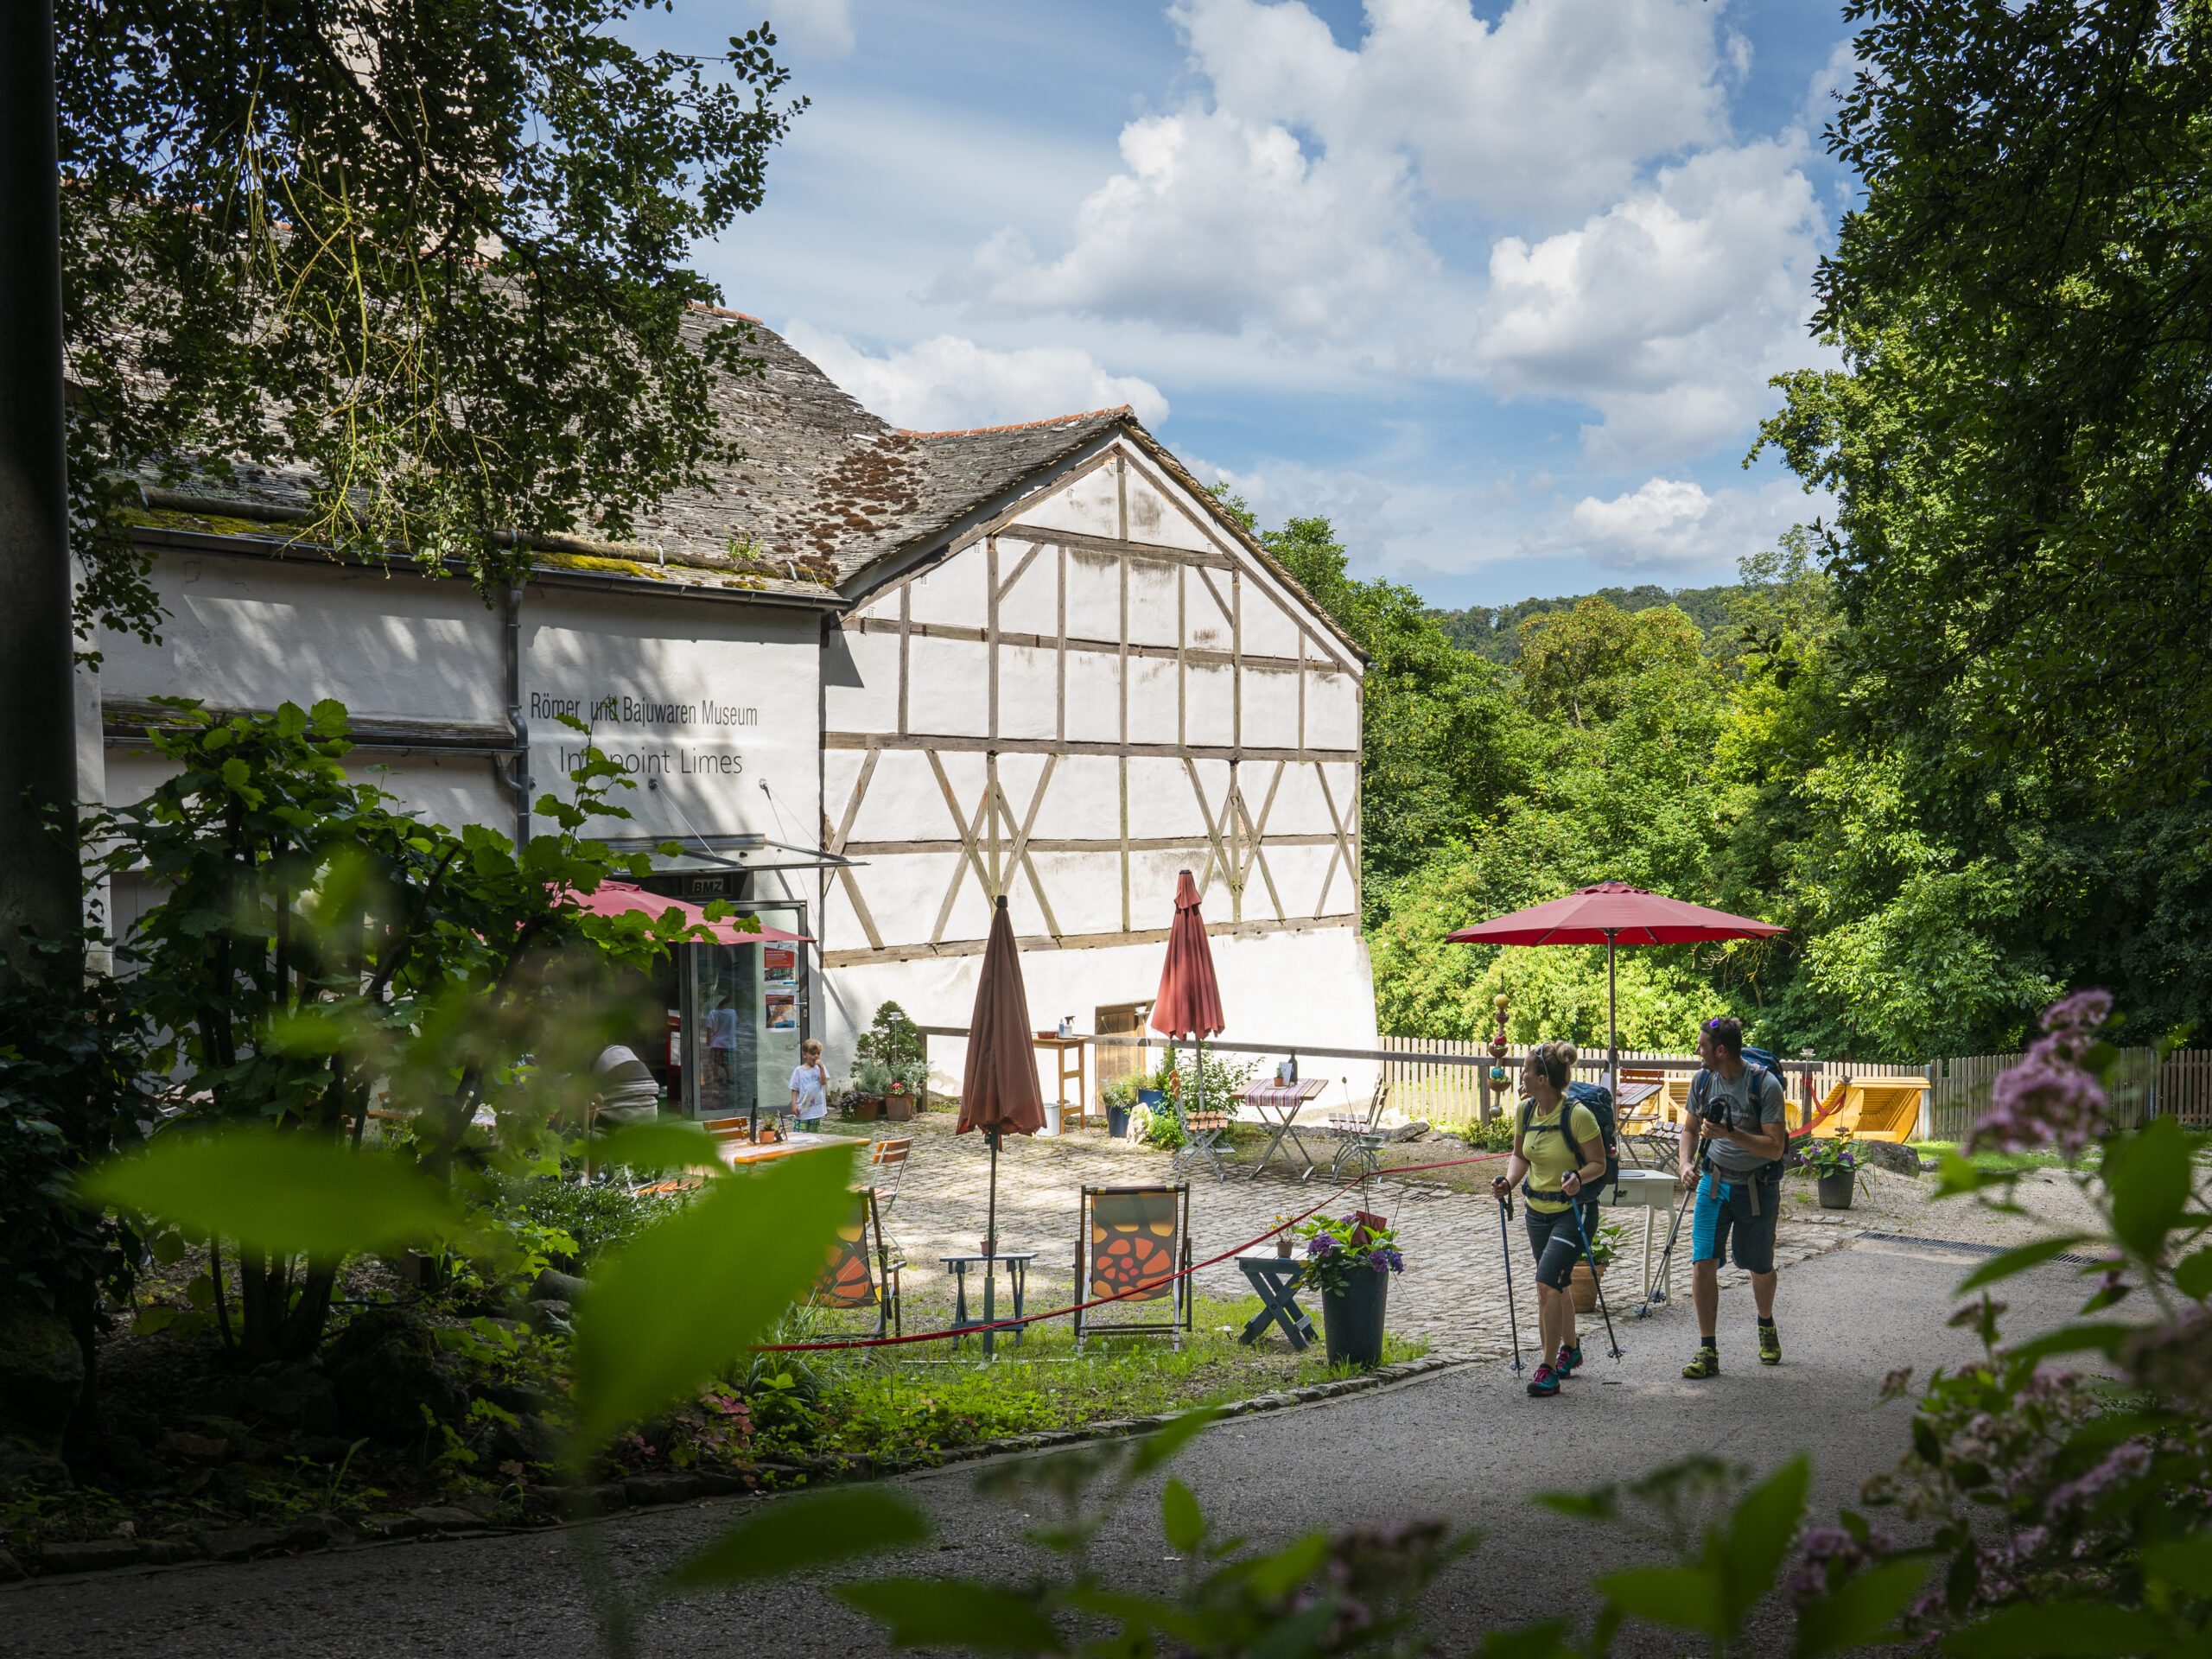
pixel 1733 1139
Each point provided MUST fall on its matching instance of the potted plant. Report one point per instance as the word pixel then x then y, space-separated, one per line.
pixel 903 1089
pixel 1283 1241
pixel 1350 1261
pixel 871 1082
pixel 1153 1087
pixel 1582 1287
pixel 894 1044
pixel 1836 1169
pixel 1118 1097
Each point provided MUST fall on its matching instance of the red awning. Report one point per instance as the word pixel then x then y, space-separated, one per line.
pixel 627 897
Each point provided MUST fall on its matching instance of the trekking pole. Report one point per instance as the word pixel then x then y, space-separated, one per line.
pixel 1574 1209
pixel 1657 1277
pixel 1505 1238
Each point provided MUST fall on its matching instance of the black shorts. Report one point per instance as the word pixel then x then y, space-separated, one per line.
pixel 1557 1246
pixel 1724 1226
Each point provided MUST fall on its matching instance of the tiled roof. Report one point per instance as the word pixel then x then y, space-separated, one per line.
pixel 823 492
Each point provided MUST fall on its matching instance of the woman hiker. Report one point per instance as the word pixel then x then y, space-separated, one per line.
pixel 1555 1160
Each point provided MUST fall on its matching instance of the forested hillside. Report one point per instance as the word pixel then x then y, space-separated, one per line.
pixel 1494 630
pixel 1936 894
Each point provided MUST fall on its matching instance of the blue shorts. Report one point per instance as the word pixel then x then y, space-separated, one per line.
pixel 1736 1218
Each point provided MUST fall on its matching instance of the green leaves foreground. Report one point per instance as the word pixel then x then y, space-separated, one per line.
pixel 666 1312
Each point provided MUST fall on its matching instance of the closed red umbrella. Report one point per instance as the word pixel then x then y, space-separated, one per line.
pixel 1613 913
pixel 1189 1003
pixel 998 1088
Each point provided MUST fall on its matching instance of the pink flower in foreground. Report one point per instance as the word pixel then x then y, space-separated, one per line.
pixel 2049 1098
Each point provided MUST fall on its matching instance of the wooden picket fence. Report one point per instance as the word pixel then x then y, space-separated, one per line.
pixel 2141 1085
pixel 1449 1083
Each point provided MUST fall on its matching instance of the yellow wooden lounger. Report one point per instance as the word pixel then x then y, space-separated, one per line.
pixel 1873 1109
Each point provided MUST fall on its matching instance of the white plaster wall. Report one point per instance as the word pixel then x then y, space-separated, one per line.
pixel 1157 512
pixel 252 633
pixel 1031 604
pixel 743 680
pixel 1087 505
pixel 1313 987
pixel 860 679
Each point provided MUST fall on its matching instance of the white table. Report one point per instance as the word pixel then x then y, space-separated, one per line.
pixel 1653 1191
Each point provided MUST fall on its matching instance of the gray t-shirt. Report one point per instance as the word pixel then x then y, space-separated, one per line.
pixel 1727 1156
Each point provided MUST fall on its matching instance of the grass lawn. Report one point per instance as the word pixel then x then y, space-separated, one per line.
pixel 909 1410
pixel 1998 1163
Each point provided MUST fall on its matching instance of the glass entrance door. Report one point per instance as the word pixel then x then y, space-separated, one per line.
pixel 745 1011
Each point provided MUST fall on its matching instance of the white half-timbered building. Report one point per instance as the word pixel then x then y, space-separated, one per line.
pixel 870 680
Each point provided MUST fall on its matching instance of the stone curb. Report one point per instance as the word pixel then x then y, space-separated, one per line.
pixel 101 1558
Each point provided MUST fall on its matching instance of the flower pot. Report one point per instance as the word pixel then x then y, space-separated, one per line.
pixel 1283 1245
pixel 898 1105
pixel 867 1107
pixel 1117 1123
pixel 1582 1288
pixel 1352 1321
pixel 1051 1117
pixel 1836 1189
pixel 1152 1099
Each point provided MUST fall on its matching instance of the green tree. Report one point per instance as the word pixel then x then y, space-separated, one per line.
pixel 2019 439
pixel 426 262
pixel 315 949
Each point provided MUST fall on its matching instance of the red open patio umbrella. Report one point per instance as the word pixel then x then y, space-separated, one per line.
pixel 1189 1003
pixel 1613 913
pixel 998 1088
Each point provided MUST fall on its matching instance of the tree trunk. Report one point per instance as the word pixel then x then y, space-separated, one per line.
pixel 40 889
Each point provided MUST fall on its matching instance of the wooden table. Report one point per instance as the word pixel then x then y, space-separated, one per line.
pixel 735 1153
pixel 1061 1048
pixel 1016 1263
pixel 1281 1102
pixel 1275 1278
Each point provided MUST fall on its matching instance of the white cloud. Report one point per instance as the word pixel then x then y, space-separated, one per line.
pixel 1669 310
pixel 1669 525
pixel 1218 224
pixel 947 383
pixel 1555 107
pixel 820 29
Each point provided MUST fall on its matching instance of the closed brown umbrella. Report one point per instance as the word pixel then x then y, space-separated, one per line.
pixel 998 1090
pixel 1189 1003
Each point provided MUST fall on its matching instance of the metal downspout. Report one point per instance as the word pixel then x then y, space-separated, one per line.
pixel 514 774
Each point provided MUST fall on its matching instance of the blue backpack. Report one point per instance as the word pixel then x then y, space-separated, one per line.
pixel 1761 1063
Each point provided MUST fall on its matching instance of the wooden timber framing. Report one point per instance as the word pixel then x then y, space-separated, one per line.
pixel 1074 941
pixel 1282 869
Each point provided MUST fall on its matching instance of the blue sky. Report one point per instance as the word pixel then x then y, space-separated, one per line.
pixel 1496 286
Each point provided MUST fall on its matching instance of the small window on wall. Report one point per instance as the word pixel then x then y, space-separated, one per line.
pixel 1122 1020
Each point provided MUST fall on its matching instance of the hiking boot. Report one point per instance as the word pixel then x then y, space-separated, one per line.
pixel 1570 1357
pixel 1769 1345
pixel 1704 1363
pixel 1544 1384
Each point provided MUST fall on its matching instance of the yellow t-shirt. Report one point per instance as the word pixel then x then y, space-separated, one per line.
pixel 1550 1157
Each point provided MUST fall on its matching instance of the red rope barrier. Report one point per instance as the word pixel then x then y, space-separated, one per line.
pixel 1119 1296
pixel 1181 1273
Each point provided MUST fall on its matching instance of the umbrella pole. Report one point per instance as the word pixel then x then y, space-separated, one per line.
pixel 991 1223
pixel 1613 1024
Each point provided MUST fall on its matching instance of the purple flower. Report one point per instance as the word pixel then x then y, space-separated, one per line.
pixel 2047 1099
pixel 2123 1463
pixel 2076 1018
pixel 1320 1245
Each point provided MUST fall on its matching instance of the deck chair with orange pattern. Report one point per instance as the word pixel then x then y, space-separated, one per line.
pixel 1133 1243
pixel 861 1271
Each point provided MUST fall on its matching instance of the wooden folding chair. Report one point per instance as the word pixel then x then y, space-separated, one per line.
pixel 1133 1243
pixel 1204 1134
pixel 861 1271
pixel 1360 1137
